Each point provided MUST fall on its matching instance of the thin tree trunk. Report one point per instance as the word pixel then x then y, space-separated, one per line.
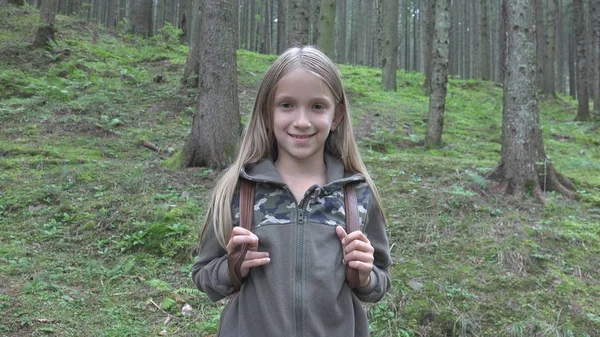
pixel 439 80
pixel 252 29
pixel 341 29
pixel 390 44
pixel 560 52
pixel 281 26
pixel 549 79
pixel 485 42
pixel 402 34
pixel 583 108
pixel 192 64
pixel 429 24
pixel 502 41
pixel 596 28
pixel 540 38
pixel 215 130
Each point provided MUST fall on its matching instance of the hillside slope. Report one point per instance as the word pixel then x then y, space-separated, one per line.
pixel 96 230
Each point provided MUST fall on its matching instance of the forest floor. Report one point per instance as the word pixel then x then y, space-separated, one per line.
pixel 96 231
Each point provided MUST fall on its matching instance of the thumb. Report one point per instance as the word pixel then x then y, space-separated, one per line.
pixel 341 233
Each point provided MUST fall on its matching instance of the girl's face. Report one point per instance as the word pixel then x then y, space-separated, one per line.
pixel 304 112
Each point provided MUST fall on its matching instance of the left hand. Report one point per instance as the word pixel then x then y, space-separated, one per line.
pixel 358 253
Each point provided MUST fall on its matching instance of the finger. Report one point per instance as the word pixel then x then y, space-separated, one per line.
pixel 356 255
pixel 253 255
pixel 239 230
pixel 237 240
pixel 256 262
pixel 359 245
pixel 356 235
pixel 361 266
pixel 341 233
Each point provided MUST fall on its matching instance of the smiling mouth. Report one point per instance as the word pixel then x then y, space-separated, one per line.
pixel 301 136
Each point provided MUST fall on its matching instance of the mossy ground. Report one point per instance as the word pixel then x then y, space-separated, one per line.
pixel 97 231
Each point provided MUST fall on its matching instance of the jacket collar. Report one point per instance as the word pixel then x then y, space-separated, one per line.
pixel 264 171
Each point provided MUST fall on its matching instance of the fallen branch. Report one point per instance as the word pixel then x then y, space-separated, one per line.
pixel 150 146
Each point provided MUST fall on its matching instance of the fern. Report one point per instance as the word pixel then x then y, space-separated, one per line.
pixel 477 179
pixel 168 303
pixel 160 285
pixel 187 291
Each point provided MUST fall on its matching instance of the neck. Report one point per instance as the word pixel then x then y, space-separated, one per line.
pixel 310 167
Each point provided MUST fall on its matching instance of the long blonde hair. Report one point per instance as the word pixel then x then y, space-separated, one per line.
pixel 258 140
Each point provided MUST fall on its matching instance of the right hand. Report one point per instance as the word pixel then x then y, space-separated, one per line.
pixel 253 258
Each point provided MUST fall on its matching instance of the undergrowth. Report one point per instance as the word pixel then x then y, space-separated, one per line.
pixel 97 232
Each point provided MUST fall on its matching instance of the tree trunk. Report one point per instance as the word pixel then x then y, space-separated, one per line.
pixel 192 64
pixel 215 130
pixel 415 37
pixel 502 43
pixel 428 27
pixel 341 29
pixel 549 79
pixel 468 19
pixel 523 165
pixel 46 30
pixel 141 18
pixel 592 60
pixel 314 21
pixel 281 26
pixel 439 74
pixel 252 29
pixel 540 38
pixel 390 44
pixel 326 31
pixel 299 22
pixel 184 21
pixel 485 42
pixel 572 64
pixel 402 35
pixel 596 28
pixel 560 52
pixel 583 108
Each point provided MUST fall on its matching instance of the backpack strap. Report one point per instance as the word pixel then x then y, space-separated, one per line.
pixel 235 259
pixel 352 224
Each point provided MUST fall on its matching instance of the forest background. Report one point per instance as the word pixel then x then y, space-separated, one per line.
pixel 99 216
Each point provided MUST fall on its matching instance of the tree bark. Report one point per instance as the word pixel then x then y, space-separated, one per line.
pixel 549 79
pixel 281 26
pixel 185 20
pixel 341 29
pixel 439 80
pixel 46 30
pixel 524 165
pixel 141 18
pixel 326 31
pixel 192 64
pixel 215 130
pixel 560 52
pixel 390 44
pixel 540 38
pixel 596 28
pixel 583 108
pixel 299 22
pixel 485 42
pixel 428 27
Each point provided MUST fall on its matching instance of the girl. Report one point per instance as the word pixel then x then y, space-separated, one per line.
pixel 299 150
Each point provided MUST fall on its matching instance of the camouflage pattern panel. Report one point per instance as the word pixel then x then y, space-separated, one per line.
pixel 327 206
pixel 273 205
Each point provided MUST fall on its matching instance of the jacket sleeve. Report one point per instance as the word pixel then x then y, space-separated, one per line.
pixel 380 283
pixel 210 273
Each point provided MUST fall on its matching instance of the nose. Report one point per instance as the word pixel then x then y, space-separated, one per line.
pixel 302 120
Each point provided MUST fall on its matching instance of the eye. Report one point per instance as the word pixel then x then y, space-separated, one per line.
pixel 319 106
pixel 286 105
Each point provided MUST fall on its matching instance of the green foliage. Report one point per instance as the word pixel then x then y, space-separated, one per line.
pixel 105 224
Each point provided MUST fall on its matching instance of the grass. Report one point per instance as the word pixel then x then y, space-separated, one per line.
pixel 97 231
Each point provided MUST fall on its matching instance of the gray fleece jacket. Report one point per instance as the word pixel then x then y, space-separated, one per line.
pixel 302 291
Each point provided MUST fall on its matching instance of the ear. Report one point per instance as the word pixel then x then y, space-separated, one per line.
pixel 340 113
